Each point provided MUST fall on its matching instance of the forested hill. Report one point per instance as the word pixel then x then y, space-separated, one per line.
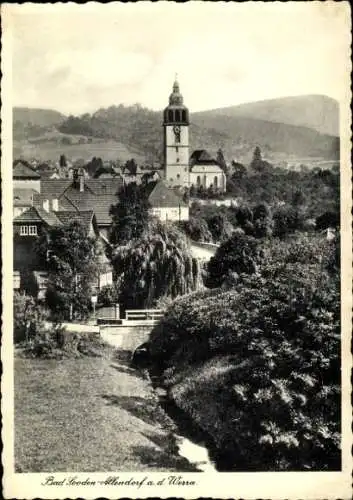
pixel 140 129
pixel 38 117
pixel 318 112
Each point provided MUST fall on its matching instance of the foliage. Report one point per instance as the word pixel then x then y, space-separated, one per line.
pixel 328 219
pixel 197 229
pixel 287 219
pixel 28 317
pixel 108 295
pixel 157 264
pixel 130 216
pixel 72 264
pixel 258 366
pixel 240 254
pixel 263 222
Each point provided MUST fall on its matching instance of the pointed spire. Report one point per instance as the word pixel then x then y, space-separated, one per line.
pixel 175 97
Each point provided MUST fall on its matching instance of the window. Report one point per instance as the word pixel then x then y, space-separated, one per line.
pixel 177 115
pixel 177 149
pixel 184 115
pixel 28 230
pixel 170 115
pixel 215 182
pixel 178 176
pixel 177 160
pixel 198 181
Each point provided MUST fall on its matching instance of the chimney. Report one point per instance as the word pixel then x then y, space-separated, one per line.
pixel 46 205
pixel 55 204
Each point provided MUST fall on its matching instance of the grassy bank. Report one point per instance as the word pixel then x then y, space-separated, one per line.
pixel 89 414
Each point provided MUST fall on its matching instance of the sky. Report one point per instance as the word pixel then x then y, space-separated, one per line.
pixel 79 58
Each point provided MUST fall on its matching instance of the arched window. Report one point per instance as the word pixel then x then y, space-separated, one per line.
pixel 170 115
pixel 177 115
pixel 205 180
pixel 184 115
pixel 198 181
pixel 215 182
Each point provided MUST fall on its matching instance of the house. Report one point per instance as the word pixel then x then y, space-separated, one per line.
pixel 29 269
pixel 165 203
pixel 82 194
pixel 25 177
pixel 206 172
pixel 22 200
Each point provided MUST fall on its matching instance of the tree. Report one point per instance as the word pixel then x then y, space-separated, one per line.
pixel 72 264
pixel 221 161
pixel 158 264
pixel 130 216
pixel 238 171
pixel 197 229
pixel 131 166
pixel 287 220
pixel 263 222
pixel 27 317
pixel 240 254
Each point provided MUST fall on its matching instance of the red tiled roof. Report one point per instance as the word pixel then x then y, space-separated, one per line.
pixel 85 217
pixel 98 196
pixel 36 214
pixel 162 196
pixel 21 171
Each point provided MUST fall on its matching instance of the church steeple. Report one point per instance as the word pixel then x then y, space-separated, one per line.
pixel 176 112
pixel 176 139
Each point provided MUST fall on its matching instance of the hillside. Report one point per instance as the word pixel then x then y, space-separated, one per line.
pixel 318 112
pixel 138 131
pixel 38 117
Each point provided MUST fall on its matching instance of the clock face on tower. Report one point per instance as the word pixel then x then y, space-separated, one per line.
pixel 176 130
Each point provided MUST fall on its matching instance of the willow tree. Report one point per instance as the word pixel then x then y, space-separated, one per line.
pixel 156 265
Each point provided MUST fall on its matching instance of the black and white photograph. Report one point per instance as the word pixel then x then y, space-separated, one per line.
pixel 177 236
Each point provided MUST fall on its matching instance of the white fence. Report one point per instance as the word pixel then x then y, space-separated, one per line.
pixel 143 314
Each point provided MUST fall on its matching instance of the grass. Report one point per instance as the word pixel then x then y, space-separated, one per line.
pixel 89 414
pixel 107 150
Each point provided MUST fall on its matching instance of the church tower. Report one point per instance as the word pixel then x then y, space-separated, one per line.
pixel 176 140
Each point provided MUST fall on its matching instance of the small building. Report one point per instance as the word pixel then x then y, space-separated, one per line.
pixel 206 172
pixel 166 204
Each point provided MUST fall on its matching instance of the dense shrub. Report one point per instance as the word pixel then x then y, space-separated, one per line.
pixel 239 254
pixel 28 317
pixel 108 295
pixel 258 366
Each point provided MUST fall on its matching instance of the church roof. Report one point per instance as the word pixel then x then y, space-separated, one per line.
pixel 202 157
pixel 159 195
pixel 22 171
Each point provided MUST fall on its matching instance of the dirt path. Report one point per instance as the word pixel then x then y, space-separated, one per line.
pixel 89 414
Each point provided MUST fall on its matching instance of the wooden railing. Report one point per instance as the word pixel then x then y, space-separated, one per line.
pixel 143 314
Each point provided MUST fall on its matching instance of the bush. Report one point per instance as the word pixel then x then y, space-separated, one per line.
pixel 268 352
pixel 28 317
pixel 108 295
pixel 239 254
